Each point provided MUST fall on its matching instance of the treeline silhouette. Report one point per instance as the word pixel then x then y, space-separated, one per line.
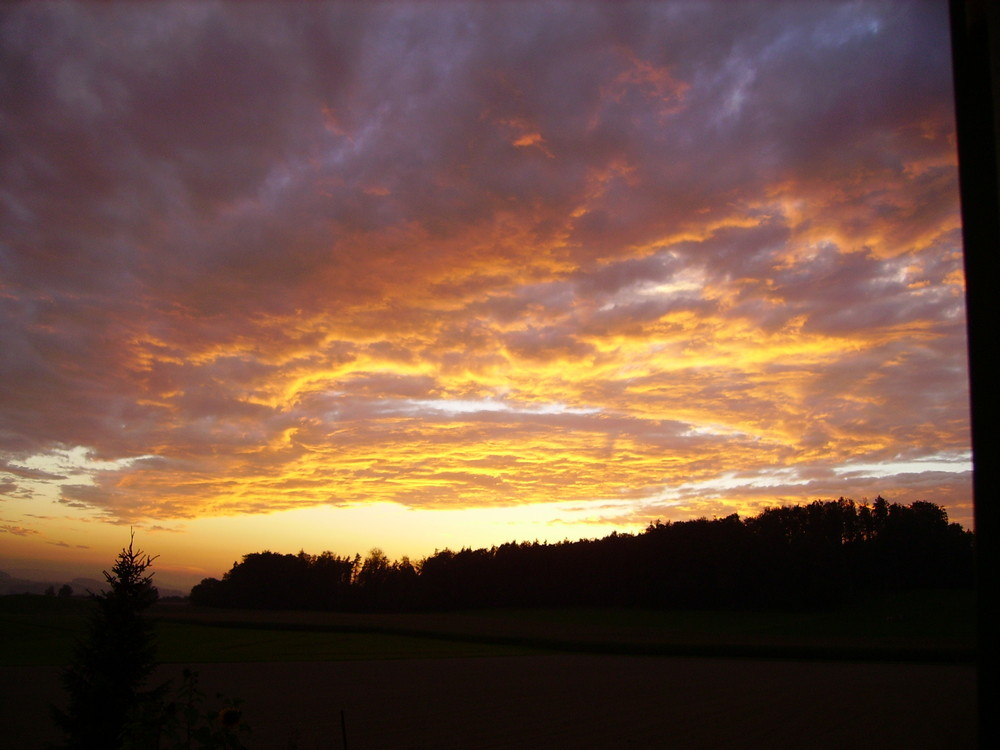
pixel 815 555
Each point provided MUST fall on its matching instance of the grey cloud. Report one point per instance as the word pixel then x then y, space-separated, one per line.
pixel 608 279
pixel 547 343
pixel 17 530
pixel 841 292
pixel 388 386
pixel 23 472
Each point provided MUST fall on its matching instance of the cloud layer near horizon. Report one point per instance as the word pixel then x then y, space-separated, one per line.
pixel 263 256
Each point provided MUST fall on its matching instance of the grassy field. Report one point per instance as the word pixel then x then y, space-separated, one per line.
pixel 42 631
pixel 403 684
pixel 944 617
pixel 39 629
pixel 941 625
pixel 183 642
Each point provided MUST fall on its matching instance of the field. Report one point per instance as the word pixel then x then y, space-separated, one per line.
pixel 893 674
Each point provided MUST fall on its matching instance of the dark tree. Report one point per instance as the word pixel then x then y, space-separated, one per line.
pixel 208 593
pixel 819 555
pixel 110 666
pixel 372 579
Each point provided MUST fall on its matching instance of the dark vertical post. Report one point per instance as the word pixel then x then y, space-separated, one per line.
pixel 975 35
pixel 343 728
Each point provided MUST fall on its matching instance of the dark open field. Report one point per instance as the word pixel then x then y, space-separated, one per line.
pixel 886 676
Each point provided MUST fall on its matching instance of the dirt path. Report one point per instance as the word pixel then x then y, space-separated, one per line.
pixel 565 701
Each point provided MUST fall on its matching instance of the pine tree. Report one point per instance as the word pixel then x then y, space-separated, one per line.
pixel 111 664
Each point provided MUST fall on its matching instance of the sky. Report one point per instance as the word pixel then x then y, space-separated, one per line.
pixel 417 275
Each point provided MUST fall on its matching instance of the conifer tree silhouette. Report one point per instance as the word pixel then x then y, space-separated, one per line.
pixel 112 662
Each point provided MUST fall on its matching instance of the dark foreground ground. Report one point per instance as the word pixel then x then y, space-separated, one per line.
pixel 564 701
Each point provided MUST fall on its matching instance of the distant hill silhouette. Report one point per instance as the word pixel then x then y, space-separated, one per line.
pixel 813 555
pixel 11 585
pixel 80 586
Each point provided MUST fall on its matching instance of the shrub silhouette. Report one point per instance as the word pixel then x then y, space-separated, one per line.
pixel 184 722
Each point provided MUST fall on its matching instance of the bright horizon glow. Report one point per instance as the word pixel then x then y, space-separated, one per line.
pixel 335 276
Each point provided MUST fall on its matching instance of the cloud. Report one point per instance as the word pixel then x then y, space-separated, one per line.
pixel 251 255
pixel 8 528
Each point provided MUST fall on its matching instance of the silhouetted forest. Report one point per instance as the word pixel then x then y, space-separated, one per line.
pixel 815 555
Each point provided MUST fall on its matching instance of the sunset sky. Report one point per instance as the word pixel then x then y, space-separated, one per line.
pixel 439 274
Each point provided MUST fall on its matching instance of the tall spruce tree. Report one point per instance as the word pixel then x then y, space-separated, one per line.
pixel 111 664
